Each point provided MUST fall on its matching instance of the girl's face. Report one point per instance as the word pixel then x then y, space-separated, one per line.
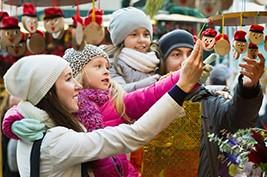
pixel 175 58
pixel 67 89
pixel 96 74
pixel 138 40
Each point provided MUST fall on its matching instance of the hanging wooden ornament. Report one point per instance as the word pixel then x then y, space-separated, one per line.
pixel 77 33
pixel 35 40
pixel 222 44
pixel 36 43
pixel 252 51
pixel 54 22
pixel 94 32
pixel 265 43
pixel 208 39
pixel 2 15
pixel 11 34
pixel 255 34
pixel 240 43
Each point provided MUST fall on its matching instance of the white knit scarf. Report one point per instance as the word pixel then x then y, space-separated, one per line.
pixel 28 110
pixel 144 62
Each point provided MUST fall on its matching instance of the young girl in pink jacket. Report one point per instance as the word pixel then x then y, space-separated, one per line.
pixel 101 103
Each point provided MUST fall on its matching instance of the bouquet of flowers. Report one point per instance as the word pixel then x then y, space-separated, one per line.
pixel 246 146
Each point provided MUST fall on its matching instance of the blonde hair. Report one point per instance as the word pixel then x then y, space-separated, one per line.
pixel 117 94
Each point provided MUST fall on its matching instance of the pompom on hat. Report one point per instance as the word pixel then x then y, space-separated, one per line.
pixel 9 22
pixel 31 77
pixel 29 9
pixel 52 12
pixel 126 20
pixel 3 14
pixel 256 28
pixel 78 59
pixel 209 32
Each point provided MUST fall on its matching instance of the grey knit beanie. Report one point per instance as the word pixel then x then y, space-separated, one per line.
pixel 31 77
pixel 175 39
pixel 78 59
pixel 126 20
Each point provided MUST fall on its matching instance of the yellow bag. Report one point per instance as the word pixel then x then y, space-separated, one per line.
pixel 175 151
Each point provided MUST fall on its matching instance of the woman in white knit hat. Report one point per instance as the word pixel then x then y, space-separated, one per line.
pixel 131 32
pixel 49 94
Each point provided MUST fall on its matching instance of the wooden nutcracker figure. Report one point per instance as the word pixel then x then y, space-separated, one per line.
pixel 208 39
pixel 255 34
pixel 2 15
pixel 17 50
pixel 240 43
pixel 35 41
pixel 222 44
pixel 57 38
pixel 94 31
pixel 11 34
pixel 252 51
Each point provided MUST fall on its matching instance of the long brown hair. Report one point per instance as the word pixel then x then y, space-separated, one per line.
pixel 60 116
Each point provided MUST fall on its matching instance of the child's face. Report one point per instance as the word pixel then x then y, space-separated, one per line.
pixel 138 40
pixel 96 74
pixel 67 89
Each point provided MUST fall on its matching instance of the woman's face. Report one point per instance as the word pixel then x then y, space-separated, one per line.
pixel 175 59
pixel 67 89
pixel 138 40
pixel 96 74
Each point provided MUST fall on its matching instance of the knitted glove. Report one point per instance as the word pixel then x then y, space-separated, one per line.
pixel 28 129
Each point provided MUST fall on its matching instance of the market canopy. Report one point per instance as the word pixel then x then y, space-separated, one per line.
pixel 179 17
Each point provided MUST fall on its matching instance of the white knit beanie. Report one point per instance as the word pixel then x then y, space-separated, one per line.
pixel 31 77
pixel 78 59
pixel 126 20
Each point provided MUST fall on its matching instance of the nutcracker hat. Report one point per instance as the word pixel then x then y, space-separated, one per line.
pixel 240 36
pixel 3 14
pixel 29 9
pixel 224 36
pixel 209 32
pixel 256 28
pixel 52 12
pixel 9 22
pixel 252 46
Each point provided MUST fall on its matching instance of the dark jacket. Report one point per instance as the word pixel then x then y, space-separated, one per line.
pixel 218 113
